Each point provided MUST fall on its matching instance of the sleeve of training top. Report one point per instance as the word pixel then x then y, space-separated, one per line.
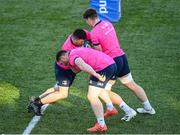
pixel 72 58
pixel 94 38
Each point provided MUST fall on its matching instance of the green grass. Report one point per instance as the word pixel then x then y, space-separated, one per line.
pixel 31 32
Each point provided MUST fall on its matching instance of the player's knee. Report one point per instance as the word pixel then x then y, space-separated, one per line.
pixel 127 79
pixel 132 86
pixel 63 92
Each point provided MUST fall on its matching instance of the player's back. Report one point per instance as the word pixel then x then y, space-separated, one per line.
pixel 104 34
pixel 96 59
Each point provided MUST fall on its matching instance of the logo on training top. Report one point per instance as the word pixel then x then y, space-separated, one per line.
pixel 103 7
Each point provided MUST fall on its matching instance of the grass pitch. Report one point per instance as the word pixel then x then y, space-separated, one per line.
pixel 31 32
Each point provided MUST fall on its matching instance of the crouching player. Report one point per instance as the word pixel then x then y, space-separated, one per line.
pixel 102 69
pixel 64 75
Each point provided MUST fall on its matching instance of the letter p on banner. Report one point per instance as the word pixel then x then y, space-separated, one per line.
pixel 107 9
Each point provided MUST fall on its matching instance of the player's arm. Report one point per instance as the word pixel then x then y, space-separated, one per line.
pixel 87 68
pixel 75 70
pixel 95 41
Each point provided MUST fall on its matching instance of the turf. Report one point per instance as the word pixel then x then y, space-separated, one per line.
pixel 31 32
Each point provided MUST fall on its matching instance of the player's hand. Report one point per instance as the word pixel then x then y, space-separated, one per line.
pixel 101 77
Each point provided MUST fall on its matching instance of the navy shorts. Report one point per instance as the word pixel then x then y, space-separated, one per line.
pixel 64 77
pixel 109 72
pixel 122 66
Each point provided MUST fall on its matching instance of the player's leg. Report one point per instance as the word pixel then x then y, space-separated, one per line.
pixel 97 107
pixel 104 95
pixel 60 91
pixel 127 80
pixel 110 73
pixel 97 88
pixel 93 97
pixel 48 91
pixel 139 93
pixel 56 95
pixel 32 99
pixel 111 110
pixel 116 99
pixel 37 102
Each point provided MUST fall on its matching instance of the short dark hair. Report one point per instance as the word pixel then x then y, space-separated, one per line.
pixel 79 34
pixel 90 13
pixel 60 54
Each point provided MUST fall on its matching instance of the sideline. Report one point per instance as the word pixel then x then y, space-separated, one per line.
pixel 33 122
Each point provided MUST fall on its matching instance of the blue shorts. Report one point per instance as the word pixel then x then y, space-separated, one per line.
pixel 64 77
pixel 109 72
pixel 122 66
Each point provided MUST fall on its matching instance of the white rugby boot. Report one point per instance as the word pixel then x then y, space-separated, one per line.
pixel 128 116
pixel 143 110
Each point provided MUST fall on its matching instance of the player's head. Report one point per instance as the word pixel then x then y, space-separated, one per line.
pixel 62 57
pixel 90 15
pixel 78 37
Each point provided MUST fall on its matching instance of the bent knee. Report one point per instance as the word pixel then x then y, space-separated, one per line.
pixel 63 92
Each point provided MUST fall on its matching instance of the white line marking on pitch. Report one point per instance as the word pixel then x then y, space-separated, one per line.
pixel 33 122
